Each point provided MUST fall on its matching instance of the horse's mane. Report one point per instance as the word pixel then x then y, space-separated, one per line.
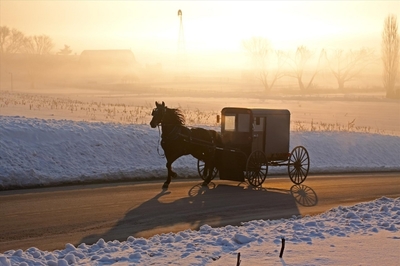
pixel 174 116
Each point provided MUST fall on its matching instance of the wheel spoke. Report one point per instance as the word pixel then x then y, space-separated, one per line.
pixel 298 153
pixel 303 171
pixel 304 159
pixel 297 176
pixel 292 171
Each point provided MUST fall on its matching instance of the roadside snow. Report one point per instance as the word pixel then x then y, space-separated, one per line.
pixel 50 152
pixel 363 234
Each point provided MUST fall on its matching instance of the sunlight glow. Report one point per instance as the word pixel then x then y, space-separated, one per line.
pixel 209 27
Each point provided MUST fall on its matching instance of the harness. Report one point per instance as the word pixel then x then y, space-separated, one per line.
pixel 173 135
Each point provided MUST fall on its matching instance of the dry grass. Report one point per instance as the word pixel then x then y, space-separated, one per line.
pixel 93 111
pixel 38 105
pixel 332 127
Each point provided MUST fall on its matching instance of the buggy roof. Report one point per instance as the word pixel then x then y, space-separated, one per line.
pixel 255 111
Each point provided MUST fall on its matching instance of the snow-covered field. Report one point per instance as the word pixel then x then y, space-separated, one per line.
pixel 38 151
pixel 49 152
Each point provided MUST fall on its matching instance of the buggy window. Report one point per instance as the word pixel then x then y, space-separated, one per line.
pixel 259 123
pixel 230 122
pixel 244 123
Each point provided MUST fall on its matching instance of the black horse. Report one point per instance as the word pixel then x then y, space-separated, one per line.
pixel 178 140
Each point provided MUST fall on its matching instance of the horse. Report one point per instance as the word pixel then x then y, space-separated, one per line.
pixel 178 140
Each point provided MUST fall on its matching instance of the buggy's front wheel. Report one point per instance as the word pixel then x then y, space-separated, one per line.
pixel 201 167
pixel 256 168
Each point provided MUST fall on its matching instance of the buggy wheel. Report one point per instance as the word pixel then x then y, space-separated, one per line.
pixel 200 169
pixel 299 164
pixel 256 168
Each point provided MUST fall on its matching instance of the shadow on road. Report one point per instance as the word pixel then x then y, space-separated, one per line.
pixel 304 195
pixel 215 205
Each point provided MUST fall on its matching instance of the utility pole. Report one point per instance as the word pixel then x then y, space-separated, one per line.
pixel 11 75
pixel 181 52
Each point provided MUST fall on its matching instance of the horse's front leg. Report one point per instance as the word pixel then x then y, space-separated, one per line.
pixel 170 174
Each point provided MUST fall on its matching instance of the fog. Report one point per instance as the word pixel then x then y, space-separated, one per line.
pixel 236 73
pixel 212 32
pixel 57 87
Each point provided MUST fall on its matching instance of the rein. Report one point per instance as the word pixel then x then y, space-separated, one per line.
pixel 162 155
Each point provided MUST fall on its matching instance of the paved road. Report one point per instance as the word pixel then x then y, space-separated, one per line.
pixel 48 218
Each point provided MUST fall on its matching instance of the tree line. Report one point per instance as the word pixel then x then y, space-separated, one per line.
pixel 13 41
pixel 269 65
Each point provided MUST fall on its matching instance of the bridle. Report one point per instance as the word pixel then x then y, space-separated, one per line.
pixel 156 111
pixel 175 132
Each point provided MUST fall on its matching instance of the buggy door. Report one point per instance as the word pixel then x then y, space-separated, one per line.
pixel 236 130
pixel 259 125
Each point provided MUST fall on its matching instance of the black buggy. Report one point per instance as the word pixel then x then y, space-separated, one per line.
pixel 252 140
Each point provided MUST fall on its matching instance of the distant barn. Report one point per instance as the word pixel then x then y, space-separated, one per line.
pixel 111 64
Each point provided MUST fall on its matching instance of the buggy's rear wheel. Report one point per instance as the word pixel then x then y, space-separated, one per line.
pixel 256 168
pixel 201 167
pixel 299 164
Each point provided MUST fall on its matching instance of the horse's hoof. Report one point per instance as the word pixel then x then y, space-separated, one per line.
pixel 165 186
pixel 204 184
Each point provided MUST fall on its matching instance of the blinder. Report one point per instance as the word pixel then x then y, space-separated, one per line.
pixel 158 114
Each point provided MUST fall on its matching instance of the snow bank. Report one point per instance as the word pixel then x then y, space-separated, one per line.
pixel 37 152
pixel 313 240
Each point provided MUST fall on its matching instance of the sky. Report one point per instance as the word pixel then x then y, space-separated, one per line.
pixel 48 151
pixel 151 28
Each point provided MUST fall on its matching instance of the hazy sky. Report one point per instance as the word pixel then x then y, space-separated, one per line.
pixel 151 28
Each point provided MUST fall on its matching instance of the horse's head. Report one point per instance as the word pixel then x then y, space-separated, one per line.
pixel 158 114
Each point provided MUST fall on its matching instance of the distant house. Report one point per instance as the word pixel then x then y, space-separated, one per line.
pixel 112 64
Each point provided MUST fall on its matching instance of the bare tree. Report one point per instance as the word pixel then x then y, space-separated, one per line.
pixel 4 34
pixel 299 64
pixel 38 45
pixel 390 54
pixel 11 41
pixel 14 41
pixel 263 56
pixel 347 66
pixel 36 48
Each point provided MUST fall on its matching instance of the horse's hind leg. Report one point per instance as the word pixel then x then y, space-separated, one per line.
pixel 172 173
pixel 208 168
